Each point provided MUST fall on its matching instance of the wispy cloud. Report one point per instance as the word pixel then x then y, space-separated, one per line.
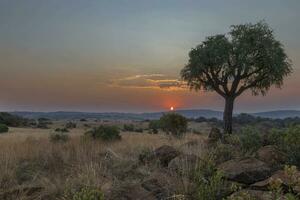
pixel 149 81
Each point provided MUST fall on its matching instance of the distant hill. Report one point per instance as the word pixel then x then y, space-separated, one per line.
pixel 144 116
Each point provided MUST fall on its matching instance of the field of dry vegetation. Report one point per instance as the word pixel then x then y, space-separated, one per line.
pixel 140 166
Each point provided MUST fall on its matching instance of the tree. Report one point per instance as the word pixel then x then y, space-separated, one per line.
pixel 174 123
pixel 247 58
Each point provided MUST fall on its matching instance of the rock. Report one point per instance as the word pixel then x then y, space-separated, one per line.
pixel 287 180
pixel 155 188
pixel 215 135
pixel 251 194
pixel 271 156
pixel 247 171
pixel 184 163
pixel 165 154
pixel 130 192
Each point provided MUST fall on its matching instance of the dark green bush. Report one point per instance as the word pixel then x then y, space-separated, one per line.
pixel 59 137
pixel 70 125
pixel 88 193
pixel 63 130
pixel 139 130
pixel 12 120
pixel 251 140
pixel 154 126
pixel 128 127
pixel 174 123
pixel 291 146
pixel 104 132
pixel 3 128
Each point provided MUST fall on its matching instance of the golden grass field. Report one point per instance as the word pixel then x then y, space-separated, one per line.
pixel 29 159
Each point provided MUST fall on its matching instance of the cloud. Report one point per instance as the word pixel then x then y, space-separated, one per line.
pixel 149 81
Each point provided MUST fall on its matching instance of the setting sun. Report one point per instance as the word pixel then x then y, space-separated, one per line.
pixel 172 108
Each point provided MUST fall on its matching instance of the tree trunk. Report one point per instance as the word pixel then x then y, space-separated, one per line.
pixel 227 116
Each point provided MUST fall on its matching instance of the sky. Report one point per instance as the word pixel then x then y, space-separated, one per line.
pixel 126 55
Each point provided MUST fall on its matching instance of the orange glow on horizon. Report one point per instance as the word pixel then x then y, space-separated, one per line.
pixel 172 108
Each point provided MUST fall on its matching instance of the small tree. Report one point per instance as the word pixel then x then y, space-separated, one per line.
pixel 174 123
pixel 247 58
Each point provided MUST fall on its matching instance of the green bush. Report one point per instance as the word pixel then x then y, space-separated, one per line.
pixel 291 140
pixel 250 139
pixel 154 125
pixel 209 182
pixel 70 125
pixel 63 130
pixel 12 120
pixel 174 123
pixel 88 193
pixel 128 127
pixel 104 132
pixel 223 152
pixel 3 128
pixel 59 137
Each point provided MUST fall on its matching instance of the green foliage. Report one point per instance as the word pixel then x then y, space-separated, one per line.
pixel 208 180
pixel 249 54
pixel 154 126
pixel 12 120
pixel 59 137
pixel 63 130
pixel 128 127
pixel 174 123
pixel 70 125
pixel 88 193
pixel 223 152
pixel 292 144
pixel 104 132
pixel 250 139
pixel 3 128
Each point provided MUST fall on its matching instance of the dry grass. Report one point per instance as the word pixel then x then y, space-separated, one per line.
pixel 28 158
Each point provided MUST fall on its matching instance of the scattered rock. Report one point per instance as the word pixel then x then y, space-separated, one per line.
pixel 215 135
pixel 247 171
pixel 287 180
pixel 184 163
pixel 252 194
pixel 271 156
pixel 155 188
pixel 165 154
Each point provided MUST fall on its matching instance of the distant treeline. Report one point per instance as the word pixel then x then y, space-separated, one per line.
pixel 246 119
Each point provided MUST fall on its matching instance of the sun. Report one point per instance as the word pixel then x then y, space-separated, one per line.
pixel 172 108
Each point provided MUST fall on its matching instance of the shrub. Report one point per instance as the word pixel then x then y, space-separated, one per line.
pixel 223 152
pixel 208 180
pixel 291 146
pixel 250 140
pixel 128 127
pixel 58 137
pixel 63 130
pixel 12 120
pixel 154 125
pixel 104 132
pixel 174 123
pixel 3 128
pixel 70 125
pixel 139 130
pixel 88 193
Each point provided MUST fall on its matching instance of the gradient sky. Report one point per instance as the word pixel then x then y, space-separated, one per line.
pixel 126 55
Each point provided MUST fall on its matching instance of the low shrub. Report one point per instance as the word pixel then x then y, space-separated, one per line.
pixel 59 137
pixel 87 193
pixel 154 126
pixel 70 125
pixel 209 182
pixel 104 132
pixel 250 139
pixel 128 127
pixel 174 123
pixel 223 152
pixel 63 130
pixel 291 141
pixel 3 128
pixel 139 130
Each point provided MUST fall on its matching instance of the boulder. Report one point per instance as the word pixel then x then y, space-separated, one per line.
pixel 272 156
pixel 165 154
pixel 251 194
pixel 247 170
pixel 215 135
pixel 184 163
pixel 287 180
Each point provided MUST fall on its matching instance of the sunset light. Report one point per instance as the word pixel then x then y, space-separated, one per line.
pixel 172 108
